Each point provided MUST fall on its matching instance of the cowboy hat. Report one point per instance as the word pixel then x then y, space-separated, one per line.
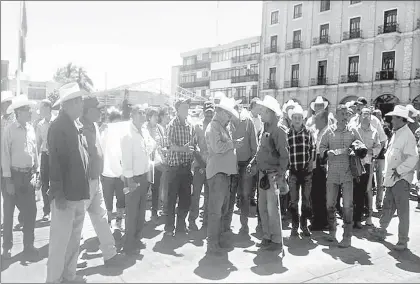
pixel 228 104
pixel 18 102
pixel 400 111
pixel 297 110
pixel 6 96
pixel 412 111
pixel 271 103
pixel 68 92
pixel 318 100
pixel 289 104
pixel 218 96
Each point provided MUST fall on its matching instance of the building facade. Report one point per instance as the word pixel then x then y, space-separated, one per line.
pixel 341 50
pixel 36 90
pixel 231 68
pixel 5 75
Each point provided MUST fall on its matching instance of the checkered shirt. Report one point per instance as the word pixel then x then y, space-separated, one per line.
pixel 301 146
pixel 180 134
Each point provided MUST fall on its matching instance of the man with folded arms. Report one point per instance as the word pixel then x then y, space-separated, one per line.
pixel 19 161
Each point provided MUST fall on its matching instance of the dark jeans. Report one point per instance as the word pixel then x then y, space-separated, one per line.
pixel 45 182
pixel 111 185
pixel 359 194
pixel 319 197
pixel 179 186
pixel 199 179
pixel 155 192
pixel 24 200
pixel 300 180
pixel 255 188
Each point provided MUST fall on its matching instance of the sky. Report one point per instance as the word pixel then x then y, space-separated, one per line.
pixel 121 42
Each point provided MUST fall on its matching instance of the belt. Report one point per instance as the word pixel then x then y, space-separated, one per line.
pixel 22 170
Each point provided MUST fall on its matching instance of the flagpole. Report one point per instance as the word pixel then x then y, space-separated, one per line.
pixel 19 50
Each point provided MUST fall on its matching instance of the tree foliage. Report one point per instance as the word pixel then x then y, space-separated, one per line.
pixel 53 96
pixel 73 73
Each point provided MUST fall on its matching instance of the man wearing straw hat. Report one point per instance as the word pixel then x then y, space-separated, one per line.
pixel 400 161
pixel 19 165
pixel 69 185
pixel 221 166
pixel 316 106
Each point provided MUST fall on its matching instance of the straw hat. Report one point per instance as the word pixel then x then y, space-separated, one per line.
pixel 319 100
pixel 289 104
pixel 18 102
pixel 297 110
pixel 68 92
pixel 400 111
pixel 271 103
pixel 228 104
pixel 412 111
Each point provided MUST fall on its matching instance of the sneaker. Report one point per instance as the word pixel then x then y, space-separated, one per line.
pixel 264 243
pixel 6 254
pixel 77 279
pixel 358 225
pixel 378 233
pixel 294 232
pixel 306 232
pixel 345 243
pixel 244 230
pixel 46 218
pixel 115 260
pixel 400 246
pixel 118 223
pixel 192 226
pixel 274 247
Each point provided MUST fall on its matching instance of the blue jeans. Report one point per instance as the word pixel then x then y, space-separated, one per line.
pixel 297 181
pixel 332 193
pixel 199 179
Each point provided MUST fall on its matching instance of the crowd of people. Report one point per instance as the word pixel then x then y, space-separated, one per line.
pixel 270 156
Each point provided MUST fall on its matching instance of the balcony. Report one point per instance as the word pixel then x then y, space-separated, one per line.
pixel 417 73
pixel 386 75
pixel 294 44
pixel 195 66
pixel 350 78
pixel 272 49
pixel 321 40
pixel 389 28
pixel 245 58
pixel 244 78
pixel 294 83
pixel 199 82
pixel 319 81
pixel 352 35
pixel 270 85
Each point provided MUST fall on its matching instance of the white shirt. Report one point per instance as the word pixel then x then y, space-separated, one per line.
pixel 111 148
pixel 375 122
pixel 257 123
pixel 401 155
pixel 136 147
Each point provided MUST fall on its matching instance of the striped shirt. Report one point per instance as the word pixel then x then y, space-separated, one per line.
pixel 301 147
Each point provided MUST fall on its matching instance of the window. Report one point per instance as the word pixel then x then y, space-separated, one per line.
pixel 322 72
pixel 353 72
pixel 323 33
pixel 254 92
pixel 274 17
pixel 355 1
pixel 253 69
pixel 297 38
pixel 240 93
pixel 189 78
pixel 297 11
pixel 325 5
pixel 273 42
pixel 190 60
pixel 223 74
pixel 390 21
pixel 272 76
pixel 355 27
pixel 295 75
pixel 205 74
pixel 255 48
pixel 388 61
pixel 203 93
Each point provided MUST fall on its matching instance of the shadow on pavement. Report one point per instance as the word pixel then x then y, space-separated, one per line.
pixel 168 245
pixel 242 241
pixel 212 267
pixel 197 237
pixel 127 262
pixel 267 263
pixel 25 259
pixel 407 260
pixel 350 255
pixel 299 246
pixel 321 238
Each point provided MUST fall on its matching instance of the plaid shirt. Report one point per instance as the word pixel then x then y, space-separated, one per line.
pixel 179 134
pixel 301 148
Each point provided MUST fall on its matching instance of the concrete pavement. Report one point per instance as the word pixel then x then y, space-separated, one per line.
pixel 183 259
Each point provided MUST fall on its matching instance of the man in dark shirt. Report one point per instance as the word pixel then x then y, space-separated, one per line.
pixel 69 186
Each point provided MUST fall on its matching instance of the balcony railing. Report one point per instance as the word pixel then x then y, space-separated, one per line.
pixel 350 78
pixel 417 73
pixel 294 44
pixel 201 82
pixel 388 28
pixel 245 58
pixel 244 78
pixel 197 65
pixel 386 75
pixel 319 81
pixel 352 34
pixel 418 23
pixel 294 83
pixel 272 49
pixel 321 40
pixel 270 85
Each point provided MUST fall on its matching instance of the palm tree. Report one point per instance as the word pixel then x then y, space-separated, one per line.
pixel 73 73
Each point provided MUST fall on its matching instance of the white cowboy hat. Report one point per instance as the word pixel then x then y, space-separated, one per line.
pixel 6 96
pixel 297 110
pixel 412 111
pixel 228 104
pixel 318 100
pixel 218 96
pixel 18 102
pixel 289 104
pixel 68 92
pixel 400 111
pixel 271 103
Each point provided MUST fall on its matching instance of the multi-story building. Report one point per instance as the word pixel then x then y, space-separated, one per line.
pixel 36 90
pixel 4 75
pixel 341 50
pixel 231 68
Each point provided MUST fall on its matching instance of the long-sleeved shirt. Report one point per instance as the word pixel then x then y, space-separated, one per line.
pixel 42 132
pixel 18 148
pixel 136 147
pixel 96 156
pixel 375 122
pixel 68 159
pixel 221 151
pixel 401 155
pixel 370 138
pixel 338 165
pixel 246 129
pixel 272 151
pixel 158 134
pixel 301 147
pixel 180 134
pixel 200 132
pixel 111 147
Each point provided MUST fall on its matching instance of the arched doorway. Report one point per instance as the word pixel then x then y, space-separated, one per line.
pixel 416 102
pixel 385 103
pixel 348 99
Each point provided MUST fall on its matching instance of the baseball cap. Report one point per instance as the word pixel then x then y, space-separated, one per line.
pixel 92 102
pixel 208 106
pixel 182 101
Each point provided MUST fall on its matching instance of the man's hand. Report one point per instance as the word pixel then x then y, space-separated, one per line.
pixel 395 174
pixel 10 187
pixel 248 168
pixel 238 143
pixel 330 153
pixel 189 149
pixel 310 166
pixel 131 184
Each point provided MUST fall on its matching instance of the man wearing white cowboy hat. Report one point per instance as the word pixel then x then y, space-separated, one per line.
pixel 221 166
pixel 316 106
pixel 400 161
pixel 19 165
pixel 272 158
pixel 290 104
pixel 301 147
pixel 69 185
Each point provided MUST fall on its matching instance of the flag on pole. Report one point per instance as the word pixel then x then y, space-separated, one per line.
pixel 23 33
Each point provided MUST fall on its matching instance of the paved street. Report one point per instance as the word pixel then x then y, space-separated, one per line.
pixel 184 260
